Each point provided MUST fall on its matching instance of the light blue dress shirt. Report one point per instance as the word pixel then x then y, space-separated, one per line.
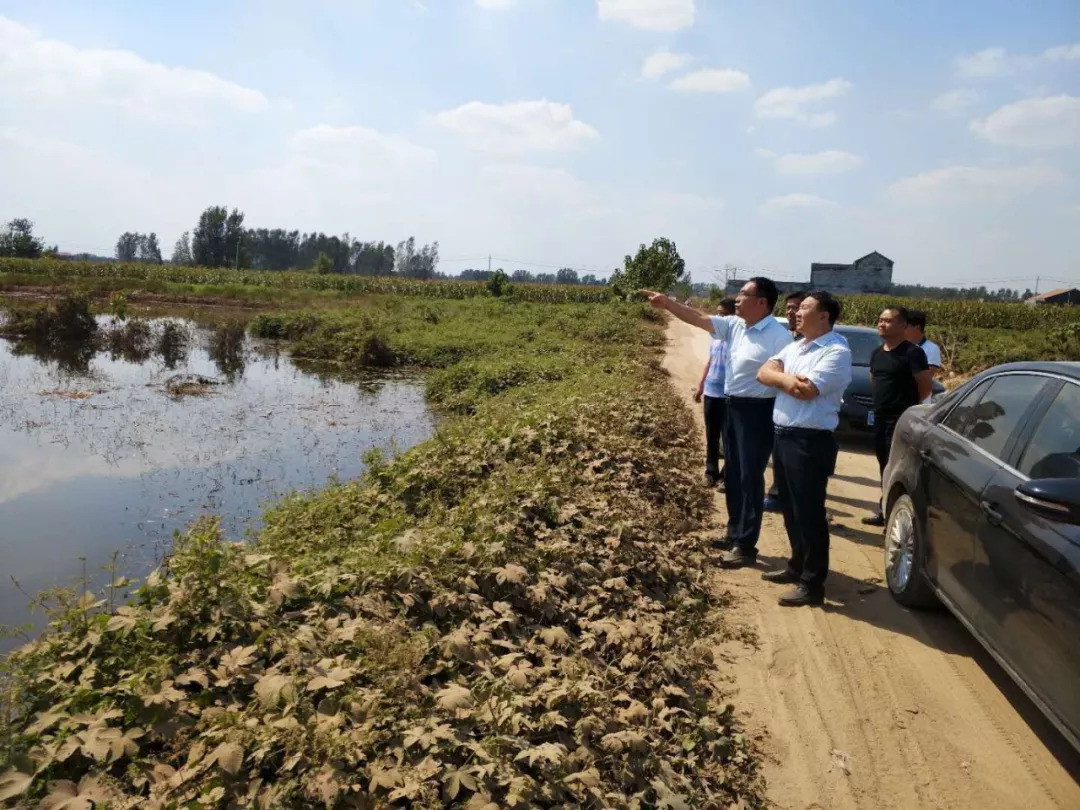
pixel 826 362
pixel 748 350
pixel 714 380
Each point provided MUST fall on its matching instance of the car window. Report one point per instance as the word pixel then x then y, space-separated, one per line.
pixel 958 417
pixel 1054 450
pixel 995 417
pixel 862 345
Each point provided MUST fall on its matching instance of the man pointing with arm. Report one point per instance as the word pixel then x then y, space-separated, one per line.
pixel 810 377
pixel 753 336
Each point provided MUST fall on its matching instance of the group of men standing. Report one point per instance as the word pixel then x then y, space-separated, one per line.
pixel 781 393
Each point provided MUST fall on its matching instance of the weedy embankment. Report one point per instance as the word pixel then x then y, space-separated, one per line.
pixel 511 614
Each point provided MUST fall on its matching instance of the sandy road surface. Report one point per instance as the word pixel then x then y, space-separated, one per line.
pixel 863 704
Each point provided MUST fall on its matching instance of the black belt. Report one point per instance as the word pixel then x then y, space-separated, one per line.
pixel 801 431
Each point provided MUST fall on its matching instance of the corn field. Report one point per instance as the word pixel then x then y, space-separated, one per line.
pixel 865 309
pixel 64 270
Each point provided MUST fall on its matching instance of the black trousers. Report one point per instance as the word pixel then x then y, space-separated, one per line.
pixel 715 419
pixel 803 461
pixel 884 428
pixel 748 443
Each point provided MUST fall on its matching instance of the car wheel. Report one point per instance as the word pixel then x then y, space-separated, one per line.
pixel 905 555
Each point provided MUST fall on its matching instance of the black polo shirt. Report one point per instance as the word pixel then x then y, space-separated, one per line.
pixel 893 374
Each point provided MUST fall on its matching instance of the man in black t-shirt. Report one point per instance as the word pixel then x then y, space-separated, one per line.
pixel 900 377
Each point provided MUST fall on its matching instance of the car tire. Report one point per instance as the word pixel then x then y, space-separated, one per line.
pixel 905 556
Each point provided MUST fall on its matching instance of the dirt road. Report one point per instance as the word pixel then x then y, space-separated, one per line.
pixel 863 704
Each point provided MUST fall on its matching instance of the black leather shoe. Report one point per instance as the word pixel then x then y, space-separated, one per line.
pixel 874 520
pixel 797 597
pixel 724 543
pixel 781 577
pixel 737 558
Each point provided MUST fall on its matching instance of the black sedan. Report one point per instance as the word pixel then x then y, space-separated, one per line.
pixel 982 495
pixel 858 400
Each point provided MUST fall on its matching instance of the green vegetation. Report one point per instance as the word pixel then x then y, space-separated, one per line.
pixel 654 267
pixel 511 614
pixel 133 276
pixel 865 309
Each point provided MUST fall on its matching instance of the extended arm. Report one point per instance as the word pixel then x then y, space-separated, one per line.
pixel 925 381
pixel 680 311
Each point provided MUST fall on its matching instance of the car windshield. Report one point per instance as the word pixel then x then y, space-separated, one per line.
pixel 862 345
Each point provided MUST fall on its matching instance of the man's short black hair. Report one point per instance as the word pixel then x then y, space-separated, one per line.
pixel 826 303
pixel 727 303
pixel 916 317
pixel 798 295
pixel 902 312
pixel 766 288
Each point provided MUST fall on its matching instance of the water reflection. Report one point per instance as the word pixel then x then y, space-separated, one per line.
pixel 96 456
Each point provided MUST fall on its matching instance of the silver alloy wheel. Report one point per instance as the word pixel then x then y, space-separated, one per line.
pixel 900 547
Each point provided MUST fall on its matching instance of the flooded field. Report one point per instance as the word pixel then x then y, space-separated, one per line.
pixel 109 448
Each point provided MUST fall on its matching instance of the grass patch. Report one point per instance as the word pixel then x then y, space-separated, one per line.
pixel 512 614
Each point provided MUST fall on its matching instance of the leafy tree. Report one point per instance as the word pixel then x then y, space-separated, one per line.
pixel 373 258
pixel 182 251
pixel 567 275
pixel 683 288
pixel 149 249
pixel 656 267
pixel 591 280
pixel 323 264
pixel 208 245
pixel 127 246
pixel 416 263
pixel 499 283
pixel 17 240
pixel 522 276
pixel 217 240
pixel 138 247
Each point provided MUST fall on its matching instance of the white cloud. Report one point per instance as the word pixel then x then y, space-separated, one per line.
pixel 1062 53
pixel 831 161
pixel 792 102
pixel 522 126
pixel 652 15
pixel 989 63
pixel 663 62
pixel 1034 122
pixel 496 5
pixel 45 71
pixel 997 63
pixel 973 184
pixel 712 80
pixel 795 202
pixel 348 146
pixel 955 100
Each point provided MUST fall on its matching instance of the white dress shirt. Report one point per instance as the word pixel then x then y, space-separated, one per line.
pixel 748 350
pixel 826 362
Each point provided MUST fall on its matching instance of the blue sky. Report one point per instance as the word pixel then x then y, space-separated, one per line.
pixel 562 132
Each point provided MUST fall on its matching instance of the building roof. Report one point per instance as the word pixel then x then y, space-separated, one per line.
pixel 1055 293
pixel 874 253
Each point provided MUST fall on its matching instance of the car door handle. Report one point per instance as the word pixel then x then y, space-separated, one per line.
pixel 992 515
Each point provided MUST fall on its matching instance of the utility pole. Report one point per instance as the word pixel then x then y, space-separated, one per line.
pixel 236 266
pixel 1037 278
pixel 489 263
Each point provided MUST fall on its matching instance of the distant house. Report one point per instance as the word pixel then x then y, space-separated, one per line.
pixel 870 274
pixel 1066 295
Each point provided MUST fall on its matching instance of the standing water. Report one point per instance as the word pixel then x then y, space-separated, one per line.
pixel 105 452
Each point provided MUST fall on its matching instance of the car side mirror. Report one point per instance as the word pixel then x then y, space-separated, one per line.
pixel 1055 499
